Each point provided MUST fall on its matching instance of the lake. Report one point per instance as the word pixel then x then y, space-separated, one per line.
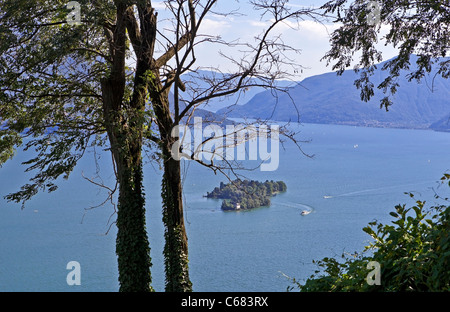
pixel 356 175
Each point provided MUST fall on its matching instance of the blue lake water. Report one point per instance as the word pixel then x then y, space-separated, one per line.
pixel 362 172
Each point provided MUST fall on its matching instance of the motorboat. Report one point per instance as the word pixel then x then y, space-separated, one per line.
pixel 305 212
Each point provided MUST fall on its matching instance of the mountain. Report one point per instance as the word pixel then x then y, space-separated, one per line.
pixel 442 124
pixel 332 99
pixel 208 118
pixel 201 81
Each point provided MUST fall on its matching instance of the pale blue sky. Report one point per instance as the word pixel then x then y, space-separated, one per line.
pixel 311 37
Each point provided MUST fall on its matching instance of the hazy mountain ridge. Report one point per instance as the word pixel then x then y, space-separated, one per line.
pixel 442 124
pixel 199 83
pixel 332 99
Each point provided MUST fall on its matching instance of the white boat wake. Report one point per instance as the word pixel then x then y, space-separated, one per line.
pixel 376 189
pixel 305 209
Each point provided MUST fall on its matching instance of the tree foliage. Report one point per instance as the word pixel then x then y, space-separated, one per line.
pixel 419 28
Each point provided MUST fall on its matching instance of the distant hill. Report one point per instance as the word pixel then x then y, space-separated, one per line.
pixel 332 99
pixel 200 81
pixel 207 118
pixel 442 124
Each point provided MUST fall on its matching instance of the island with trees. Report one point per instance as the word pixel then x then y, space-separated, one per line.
pixel 246 194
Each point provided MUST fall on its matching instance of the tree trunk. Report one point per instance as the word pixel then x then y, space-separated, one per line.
pixel 125 136
pixel 176 245
pixel 132 246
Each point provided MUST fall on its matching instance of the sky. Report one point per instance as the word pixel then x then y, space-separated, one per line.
pixel 311 37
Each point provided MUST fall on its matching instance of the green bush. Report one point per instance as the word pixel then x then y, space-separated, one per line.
pixel 413 253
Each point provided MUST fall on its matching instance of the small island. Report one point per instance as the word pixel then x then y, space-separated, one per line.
pixel 246 194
